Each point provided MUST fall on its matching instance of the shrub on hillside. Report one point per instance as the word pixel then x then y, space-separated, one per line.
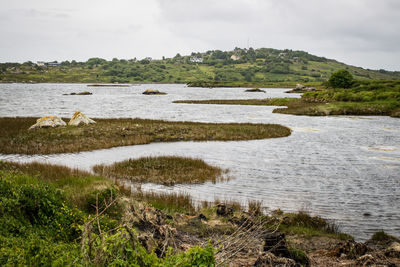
pixel 341 79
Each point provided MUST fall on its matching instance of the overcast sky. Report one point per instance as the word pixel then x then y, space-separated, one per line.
pixel 363 33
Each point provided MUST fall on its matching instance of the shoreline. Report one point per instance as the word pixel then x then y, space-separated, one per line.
pixel 307 239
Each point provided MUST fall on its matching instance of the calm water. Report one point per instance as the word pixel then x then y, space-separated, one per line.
pixel 337 167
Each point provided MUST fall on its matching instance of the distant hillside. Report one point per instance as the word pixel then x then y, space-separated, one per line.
pixel 264 65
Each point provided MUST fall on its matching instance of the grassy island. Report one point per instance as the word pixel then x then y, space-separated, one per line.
pixel 16 138
pixel 162 170
pixel 362 98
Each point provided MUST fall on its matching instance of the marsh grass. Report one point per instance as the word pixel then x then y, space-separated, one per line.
pixel 167 202
pixel 313 107
pixel 15 138
pixel 255 102
pixel 166 170
pixel 77 185
pixel 255 207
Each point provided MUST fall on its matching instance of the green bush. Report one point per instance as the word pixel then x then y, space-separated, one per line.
pixel 37 225
pixel 27 203
pixel 341 79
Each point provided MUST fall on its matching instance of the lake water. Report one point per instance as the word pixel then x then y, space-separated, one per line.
pixel 341 168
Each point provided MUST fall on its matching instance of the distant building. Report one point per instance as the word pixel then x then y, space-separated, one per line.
pixel 40 63
pixel 148 58
pixel 282 54
pixel 196 59
pixel 235 57
pixel 53 64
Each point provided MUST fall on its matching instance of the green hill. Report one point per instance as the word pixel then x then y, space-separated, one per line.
pixel 237 67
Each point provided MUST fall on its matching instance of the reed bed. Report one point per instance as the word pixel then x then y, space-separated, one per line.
pixel 168 202
pixel 166 170
pixel 15 138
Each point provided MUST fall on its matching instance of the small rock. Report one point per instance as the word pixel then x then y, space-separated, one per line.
pixel 202 217
pixel 275 243
pixel 81 93
pixel 393 250
pixel 269 259
pixel 300 86
pixel 153 92
pixel 223 210
pixel 350 249
pixel 366 260
pixel 255 90
pixel 80 119
pixel 48 121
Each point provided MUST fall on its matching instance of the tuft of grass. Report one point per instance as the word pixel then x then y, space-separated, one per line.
pixel 382 237
pixel 255 207
pixel 166 170
pixel 302 223
pixel 299 256
pixel 106 133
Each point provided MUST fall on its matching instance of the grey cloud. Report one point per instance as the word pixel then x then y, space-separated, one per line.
pixel 359 32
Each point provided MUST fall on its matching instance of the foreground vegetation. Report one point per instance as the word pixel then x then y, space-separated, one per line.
pixel 362 98
pixel 41 225
pixel 52 215
pixel 16 138
pixel 253 67
pixel 162 170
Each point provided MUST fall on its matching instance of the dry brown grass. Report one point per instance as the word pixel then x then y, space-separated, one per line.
pixel 166 170
pixel 106 133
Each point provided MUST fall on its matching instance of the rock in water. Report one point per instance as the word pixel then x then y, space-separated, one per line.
pixel 255 90
pixel 153 92
pixel 80 119
pixel 48 121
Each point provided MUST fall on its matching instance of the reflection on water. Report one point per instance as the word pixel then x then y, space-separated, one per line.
pixel 337 167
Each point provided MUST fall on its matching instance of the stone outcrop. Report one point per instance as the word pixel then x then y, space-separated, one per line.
pixel 80 93
pixel 302 89
pixel 48 121
pixel 80 119
pixel 153 92
pixel 255 90
pixel 393 250
pixel 269 259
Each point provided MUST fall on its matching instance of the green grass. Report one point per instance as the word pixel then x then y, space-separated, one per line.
pixel 168 202
pixel 382 237
pixel 380 98
pixel 106 133
pixel 167 170
pixel 39 226
pixel 306 225
pixel 78 186
pixel 41 223
pixel 261 68
pixel 253 102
